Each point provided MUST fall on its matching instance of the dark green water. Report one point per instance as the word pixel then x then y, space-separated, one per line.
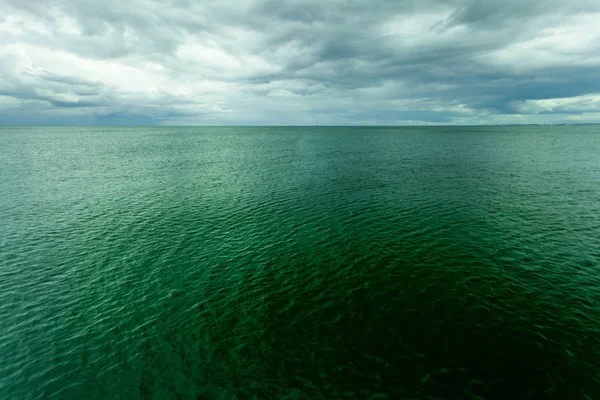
pixel 350 263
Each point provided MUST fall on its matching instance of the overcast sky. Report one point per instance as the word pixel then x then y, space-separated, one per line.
pixel 328 62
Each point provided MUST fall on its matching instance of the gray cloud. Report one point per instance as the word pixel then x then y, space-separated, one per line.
pixel 301 62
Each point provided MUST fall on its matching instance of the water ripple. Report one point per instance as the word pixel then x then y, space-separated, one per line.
pixel 250 263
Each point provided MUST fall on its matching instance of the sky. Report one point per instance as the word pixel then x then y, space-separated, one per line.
pixel 305 62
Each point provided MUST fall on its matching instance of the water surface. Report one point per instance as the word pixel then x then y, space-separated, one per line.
pixel 350 263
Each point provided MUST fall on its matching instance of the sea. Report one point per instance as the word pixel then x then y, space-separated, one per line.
pixel 300 262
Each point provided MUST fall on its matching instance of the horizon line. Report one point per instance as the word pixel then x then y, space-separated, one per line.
pixel 289 126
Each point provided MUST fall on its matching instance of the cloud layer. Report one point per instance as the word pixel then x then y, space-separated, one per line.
pixel 299 62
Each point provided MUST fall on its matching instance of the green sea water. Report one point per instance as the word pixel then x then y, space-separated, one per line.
pixel 300 263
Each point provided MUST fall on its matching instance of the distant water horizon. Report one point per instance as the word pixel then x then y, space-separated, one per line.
pixel 278 262
pixel 432 125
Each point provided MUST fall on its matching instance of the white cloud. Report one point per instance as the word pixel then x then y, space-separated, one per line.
pixel 573 42
pixel 309 62
pixel 578 104
pixel 9 102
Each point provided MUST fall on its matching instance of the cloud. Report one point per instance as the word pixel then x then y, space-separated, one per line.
pixel 300 62
pixel 569 105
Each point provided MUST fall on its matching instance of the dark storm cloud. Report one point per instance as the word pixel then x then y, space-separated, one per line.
pixel 267 61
